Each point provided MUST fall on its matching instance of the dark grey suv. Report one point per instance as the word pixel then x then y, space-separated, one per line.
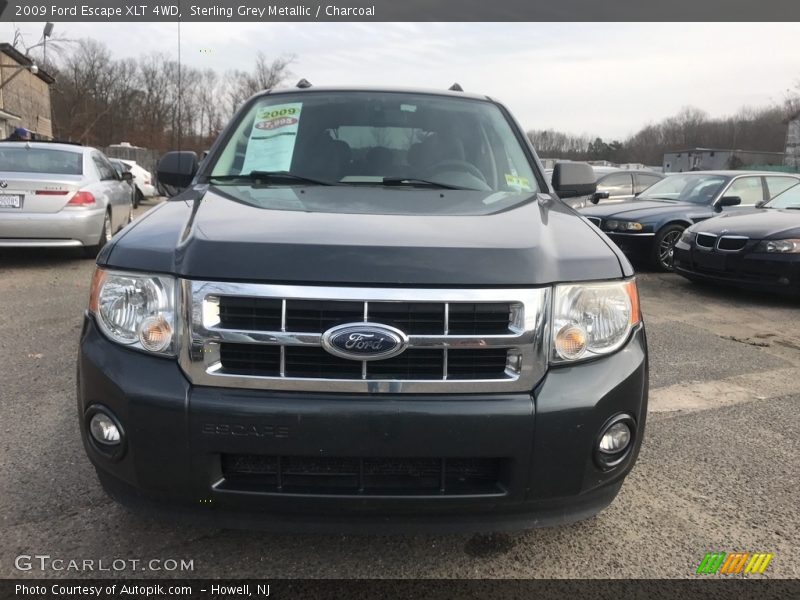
pixel 366 310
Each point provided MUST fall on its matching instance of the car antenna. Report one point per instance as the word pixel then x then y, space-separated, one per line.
pixel 456 88
pixel 303 84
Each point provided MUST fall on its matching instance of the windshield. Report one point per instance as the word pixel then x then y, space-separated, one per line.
pixel 375 138
pixel 787 199
pixel 686 187
pixel 25 159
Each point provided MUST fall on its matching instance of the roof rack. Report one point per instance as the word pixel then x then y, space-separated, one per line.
pixel 455 88
pixel 303 84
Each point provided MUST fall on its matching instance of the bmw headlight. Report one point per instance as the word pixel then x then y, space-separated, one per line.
pixel 629 226
pixel 135 309
pixel 614 225
pixel 779 246
pixel 592 319
pixel 687 237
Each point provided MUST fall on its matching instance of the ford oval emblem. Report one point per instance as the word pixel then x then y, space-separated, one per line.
pixel 364 341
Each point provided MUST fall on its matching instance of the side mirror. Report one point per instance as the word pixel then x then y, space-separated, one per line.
pixel 729 201
pixel 126 176
pixel 177 169
pixel 597 196
pixel 571 179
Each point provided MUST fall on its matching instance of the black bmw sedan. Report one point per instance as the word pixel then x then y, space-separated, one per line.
pixel 649 226
pixel 757 248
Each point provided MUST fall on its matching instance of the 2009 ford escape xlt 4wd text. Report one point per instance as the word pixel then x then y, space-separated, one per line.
pixel 367 310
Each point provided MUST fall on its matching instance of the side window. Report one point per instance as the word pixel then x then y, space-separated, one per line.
pixel 775 185
pixel 616 184
pixel 642 181
pixel 103 167
pixel 749 189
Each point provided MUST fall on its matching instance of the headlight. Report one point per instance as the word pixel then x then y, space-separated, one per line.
pixel 687 237
pixel 592 319
pixel 779 246
pixel 614 225
pixel 629 226
pixel 135 309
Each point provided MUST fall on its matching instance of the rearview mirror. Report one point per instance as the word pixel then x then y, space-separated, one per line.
pixel 571 179
pixel 597 196
pixel 177 169
pixel 729 201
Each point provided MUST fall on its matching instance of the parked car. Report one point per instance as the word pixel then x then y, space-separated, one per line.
pixel 60 195
pixel 616 185
pixel 620 185
pixel 649 226
pixel 142 180
pixel 757 248
pixel 121 168
pixel 365 310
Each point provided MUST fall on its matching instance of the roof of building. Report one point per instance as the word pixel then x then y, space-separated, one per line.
pixel 722 150
pixel 21 59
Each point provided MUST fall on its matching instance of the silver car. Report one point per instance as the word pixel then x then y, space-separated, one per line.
pixel 60 195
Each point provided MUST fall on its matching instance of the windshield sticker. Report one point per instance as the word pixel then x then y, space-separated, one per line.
pixel 518 183
pixel 272 139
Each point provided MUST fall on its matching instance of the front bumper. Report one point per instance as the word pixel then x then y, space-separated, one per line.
pixel 637 245
pixel 750 270
pixel 68 227
pixel 177 435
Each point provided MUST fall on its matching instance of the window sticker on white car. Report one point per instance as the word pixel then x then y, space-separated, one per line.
pixel 518 183
pixel 272 139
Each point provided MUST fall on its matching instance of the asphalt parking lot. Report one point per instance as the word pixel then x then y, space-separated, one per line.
pixel 719 469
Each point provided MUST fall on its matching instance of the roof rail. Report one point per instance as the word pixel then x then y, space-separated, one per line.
pixel 303 84
pixel 455 88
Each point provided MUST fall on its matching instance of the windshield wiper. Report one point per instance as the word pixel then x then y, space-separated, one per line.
pixel 272 177
pixel 415 182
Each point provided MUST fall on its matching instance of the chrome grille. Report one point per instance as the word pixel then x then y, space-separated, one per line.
pixel 270 337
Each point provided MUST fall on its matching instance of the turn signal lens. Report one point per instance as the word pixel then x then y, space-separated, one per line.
pixel 571 342
pixel 155 334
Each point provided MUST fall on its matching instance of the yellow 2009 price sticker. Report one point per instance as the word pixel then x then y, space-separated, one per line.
pixel 520 183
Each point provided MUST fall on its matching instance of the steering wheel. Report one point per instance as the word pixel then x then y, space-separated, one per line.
pixel 457 165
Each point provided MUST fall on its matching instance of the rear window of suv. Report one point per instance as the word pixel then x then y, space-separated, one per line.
pixel 40 160
pixel 360 138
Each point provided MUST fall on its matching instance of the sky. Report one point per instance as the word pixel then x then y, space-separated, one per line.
pixel 604 79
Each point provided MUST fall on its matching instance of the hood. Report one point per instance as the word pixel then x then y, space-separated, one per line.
pixel 367 236
pixel 756 223
pixel 637 210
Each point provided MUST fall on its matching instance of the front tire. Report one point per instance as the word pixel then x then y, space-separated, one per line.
pixel 664 246
pixel 138 198
pixel 105 236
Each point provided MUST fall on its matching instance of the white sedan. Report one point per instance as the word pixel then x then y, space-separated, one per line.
pixel 142 180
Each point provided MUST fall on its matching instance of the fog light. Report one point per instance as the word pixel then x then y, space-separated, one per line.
pixel 615 439
pixel 104 430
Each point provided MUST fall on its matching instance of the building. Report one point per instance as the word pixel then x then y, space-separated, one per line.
pixel 792 158
pixel 24 96
pixel 709 159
